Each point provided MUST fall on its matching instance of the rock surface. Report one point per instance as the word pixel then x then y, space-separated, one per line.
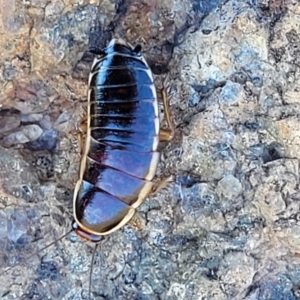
pixel 228 226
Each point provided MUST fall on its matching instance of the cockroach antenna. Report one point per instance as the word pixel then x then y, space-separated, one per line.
pixel 36 253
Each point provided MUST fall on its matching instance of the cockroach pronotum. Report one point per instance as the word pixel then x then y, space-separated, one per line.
pixel 120 156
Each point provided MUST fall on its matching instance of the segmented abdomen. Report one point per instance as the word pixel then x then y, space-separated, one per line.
pixel 123 126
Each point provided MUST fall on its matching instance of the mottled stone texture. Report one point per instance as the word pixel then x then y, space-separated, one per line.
pixel 228 226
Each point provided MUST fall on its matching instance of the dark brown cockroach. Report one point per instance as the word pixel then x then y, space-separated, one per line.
pixel 120 156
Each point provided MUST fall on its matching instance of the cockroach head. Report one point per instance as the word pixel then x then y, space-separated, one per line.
pixel 84 234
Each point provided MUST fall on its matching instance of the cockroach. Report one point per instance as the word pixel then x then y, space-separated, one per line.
pixel 120 155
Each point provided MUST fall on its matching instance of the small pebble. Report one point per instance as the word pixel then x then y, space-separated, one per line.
pixel 8 123
pixel 31 118
pixel 27 134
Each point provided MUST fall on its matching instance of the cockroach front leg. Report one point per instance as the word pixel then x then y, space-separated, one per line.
pixel 136 222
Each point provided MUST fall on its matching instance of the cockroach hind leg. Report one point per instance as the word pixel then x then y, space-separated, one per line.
pixel 162 184
pixel 166 135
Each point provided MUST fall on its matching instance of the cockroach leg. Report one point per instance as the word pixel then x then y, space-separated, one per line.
pixel 82 130
pixel 76 139
pixel 136 222
pixel 83 127
pixel 80 142
pixel 162 184
pixel 166 135
pixel 79 133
